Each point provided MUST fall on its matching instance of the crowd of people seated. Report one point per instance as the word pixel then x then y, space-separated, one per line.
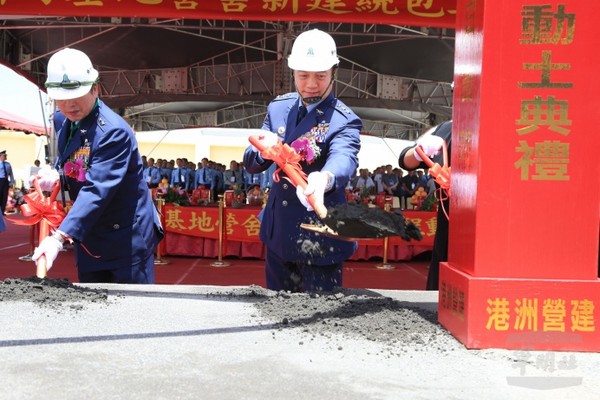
pixel 189 176
pixel 217 178
pixel 392 181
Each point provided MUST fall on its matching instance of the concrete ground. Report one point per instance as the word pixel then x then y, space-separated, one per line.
pixel 188 342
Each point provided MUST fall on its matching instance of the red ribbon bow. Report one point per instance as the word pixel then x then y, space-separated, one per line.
pixel 284 156
pixel 38 208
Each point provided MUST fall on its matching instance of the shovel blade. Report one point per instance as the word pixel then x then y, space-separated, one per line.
pixel 358 221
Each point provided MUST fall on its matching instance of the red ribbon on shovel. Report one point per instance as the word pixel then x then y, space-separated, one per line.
pixel 45 211
pixel 288 161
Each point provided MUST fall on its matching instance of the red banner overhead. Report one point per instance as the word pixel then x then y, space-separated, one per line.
pixel 433 13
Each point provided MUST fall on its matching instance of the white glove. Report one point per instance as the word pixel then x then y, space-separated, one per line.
pixel 49 247
pixel 430 144
pixel 267 138
pixel 317 183
pixel 48 177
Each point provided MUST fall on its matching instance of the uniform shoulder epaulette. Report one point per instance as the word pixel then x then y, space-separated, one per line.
pixel 342 108
pixel 286 96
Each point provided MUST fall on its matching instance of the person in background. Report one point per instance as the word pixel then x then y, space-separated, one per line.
pixel 7 180
pixel 203 174
pixel 166 169
pixel 398 191
pixel 218 180
pixel 422 178
pixel 233 179
pixel 365 182
pixel 430 187
pixel 332 131
pixel 180 176
pixel 267 181
pixel 389 180
pixel 251 180
pixel 409 186
pixel 352 182
pixel 432 142
pixel 191 167
pixel 377 177
pixel 113 223
pixel 151 174
pixel 35 169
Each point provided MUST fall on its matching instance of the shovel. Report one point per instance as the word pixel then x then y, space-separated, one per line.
pixel 344 221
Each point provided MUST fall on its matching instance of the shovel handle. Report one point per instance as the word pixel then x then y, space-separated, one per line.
pixel 295 177
pixel 41 266
pixel 41 271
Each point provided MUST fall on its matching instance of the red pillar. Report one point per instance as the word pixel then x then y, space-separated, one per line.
pixel 522 270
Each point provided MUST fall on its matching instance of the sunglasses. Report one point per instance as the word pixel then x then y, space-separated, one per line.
pixel 68 85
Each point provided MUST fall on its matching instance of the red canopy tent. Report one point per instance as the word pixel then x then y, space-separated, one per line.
pixel 15 122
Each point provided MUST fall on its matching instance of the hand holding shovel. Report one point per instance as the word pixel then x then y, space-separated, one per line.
pixel 288 161
pixel 345 221
pixel 44 211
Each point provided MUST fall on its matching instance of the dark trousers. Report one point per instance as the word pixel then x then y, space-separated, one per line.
pixel 301 277
pixel 142 273
pixel 3 193
pixel 440 247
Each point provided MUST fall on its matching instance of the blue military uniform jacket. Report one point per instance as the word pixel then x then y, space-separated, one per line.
pixel 113 219
pixel 182 177
pixel 152 176
pixel 336 130
pixel 203 176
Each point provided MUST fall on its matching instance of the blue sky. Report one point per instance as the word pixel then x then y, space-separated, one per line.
pixel 20 96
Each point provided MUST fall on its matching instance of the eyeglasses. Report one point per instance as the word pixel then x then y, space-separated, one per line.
pixel 68 84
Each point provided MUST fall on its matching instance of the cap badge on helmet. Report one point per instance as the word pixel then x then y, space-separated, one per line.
pixel 310 52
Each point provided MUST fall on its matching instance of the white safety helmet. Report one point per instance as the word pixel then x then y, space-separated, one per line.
pixel 313 51
pixel 70 75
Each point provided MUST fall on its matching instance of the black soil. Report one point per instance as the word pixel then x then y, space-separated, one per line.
pixel 53 293
pixel 359 221
pixel 396 327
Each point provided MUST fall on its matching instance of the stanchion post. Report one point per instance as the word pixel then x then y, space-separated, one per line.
pixel 158 260
pixel 219 262
pixel 386 241
pixel 31 244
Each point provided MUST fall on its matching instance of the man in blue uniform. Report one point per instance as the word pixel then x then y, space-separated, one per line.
pixel 113 223
pixel 151 174
pixel 327 133
pixel 7 180
pixel 203 175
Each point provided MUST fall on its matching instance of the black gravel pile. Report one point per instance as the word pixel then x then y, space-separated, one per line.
pixel 396 326
pixel 358 221
pixel 52 293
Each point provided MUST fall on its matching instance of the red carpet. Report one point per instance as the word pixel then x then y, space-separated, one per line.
pixel 15 243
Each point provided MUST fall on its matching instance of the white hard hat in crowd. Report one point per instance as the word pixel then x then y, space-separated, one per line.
pixel 314 51
pixel 70 75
